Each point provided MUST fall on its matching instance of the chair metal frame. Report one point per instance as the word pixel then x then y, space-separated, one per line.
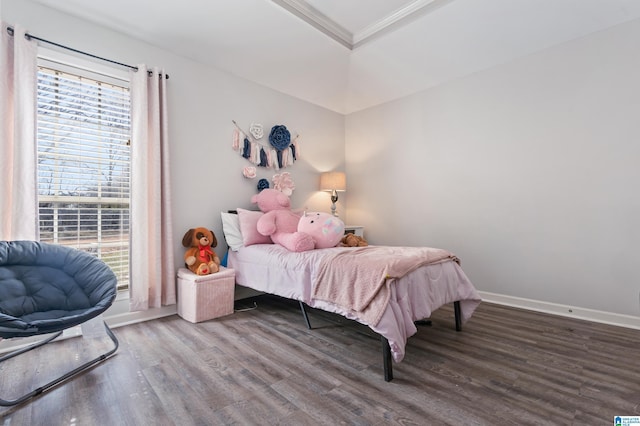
pixel 19 321
pixel 76 371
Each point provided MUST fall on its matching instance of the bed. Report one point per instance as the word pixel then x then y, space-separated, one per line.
pixel 408 285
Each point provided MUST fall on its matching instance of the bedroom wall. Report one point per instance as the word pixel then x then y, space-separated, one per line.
pixel 527 171
pixel 206 173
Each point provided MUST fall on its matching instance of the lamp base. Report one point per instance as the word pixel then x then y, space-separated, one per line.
pixel 334 200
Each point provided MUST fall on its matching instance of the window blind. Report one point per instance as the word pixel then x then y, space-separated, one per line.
pixel 83 133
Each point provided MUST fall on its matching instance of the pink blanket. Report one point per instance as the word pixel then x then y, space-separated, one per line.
pixel 357 279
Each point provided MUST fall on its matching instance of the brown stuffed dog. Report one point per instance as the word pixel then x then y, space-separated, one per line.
pixel 199 257
pixel 351 240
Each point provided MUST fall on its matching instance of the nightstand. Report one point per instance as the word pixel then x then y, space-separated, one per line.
pixel 356 230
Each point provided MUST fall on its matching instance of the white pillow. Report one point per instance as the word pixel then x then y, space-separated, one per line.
pixel 231 230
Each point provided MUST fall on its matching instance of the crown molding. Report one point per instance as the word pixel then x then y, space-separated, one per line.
pixel 400 16
pixel 318 20
pixel 329 27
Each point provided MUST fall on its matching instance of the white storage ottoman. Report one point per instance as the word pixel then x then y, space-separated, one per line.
pixel 204 297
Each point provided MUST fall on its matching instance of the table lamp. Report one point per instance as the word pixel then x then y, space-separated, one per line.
pixel 333 182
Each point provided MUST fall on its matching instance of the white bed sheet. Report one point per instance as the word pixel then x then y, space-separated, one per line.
pixel 271 268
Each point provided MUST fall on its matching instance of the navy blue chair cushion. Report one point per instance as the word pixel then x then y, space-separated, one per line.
pixel 46 288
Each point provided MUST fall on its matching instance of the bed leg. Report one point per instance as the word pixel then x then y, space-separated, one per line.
pixel 304 314
pixel 386 360
pixel 456 309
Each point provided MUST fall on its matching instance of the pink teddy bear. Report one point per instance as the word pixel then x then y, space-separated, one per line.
pixel 279 222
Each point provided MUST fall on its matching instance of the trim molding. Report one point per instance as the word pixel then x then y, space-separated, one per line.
pixel 603 317
pixel 400 16
pixel 117 315
pixel 331 28
pixel 127 318
pixel 318 20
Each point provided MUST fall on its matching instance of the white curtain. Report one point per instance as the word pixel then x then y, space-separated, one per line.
pixel 152 280
pixel 18 147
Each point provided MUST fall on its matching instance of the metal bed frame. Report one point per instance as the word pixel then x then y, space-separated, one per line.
pixel 386 349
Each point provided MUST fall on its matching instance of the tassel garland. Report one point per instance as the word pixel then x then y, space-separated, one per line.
pixel 246 151
pixel 264 162
pixel 261 155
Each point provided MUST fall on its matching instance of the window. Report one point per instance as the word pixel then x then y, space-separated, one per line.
pixel 83 171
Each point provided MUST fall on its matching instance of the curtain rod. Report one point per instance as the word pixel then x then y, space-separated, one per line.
pixel 30 36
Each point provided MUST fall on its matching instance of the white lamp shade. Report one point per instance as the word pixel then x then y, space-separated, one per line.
pixel 330 181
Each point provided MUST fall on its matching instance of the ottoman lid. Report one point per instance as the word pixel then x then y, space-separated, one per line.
pixel 186 274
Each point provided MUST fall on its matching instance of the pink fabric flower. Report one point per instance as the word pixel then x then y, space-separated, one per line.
pixel 284 183
pixel 249 172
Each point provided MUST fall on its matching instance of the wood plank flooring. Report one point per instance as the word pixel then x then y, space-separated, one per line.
pixel 264 367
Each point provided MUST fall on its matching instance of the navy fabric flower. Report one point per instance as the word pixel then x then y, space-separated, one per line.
pixel 263 184
pixel 279 138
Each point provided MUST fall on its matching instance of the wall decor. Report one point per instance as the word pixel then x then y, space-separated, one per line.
pixel 249 172
pixel 263 184
pixel 284 183
pixel 256 130
pixel 282 150
pixel 280 137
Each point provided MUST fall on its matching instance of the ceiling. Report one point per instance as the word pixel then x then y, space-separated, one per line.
pixel 347 55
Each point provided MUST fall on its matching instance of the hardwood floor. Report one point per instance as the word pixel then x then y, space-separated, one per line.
pixel 263 366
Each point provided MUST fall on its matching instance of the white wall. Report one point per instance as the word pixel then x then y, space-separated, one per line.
pixel 528 171
pixel 206 172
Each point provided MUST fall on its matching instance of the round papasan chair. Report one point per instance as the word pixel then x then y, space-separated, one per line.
pixel 48 288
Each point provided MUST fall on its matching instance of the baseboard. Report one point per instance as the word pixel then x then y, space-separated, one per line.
pixel 603 317
pixel 116 316
pixel 127 318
